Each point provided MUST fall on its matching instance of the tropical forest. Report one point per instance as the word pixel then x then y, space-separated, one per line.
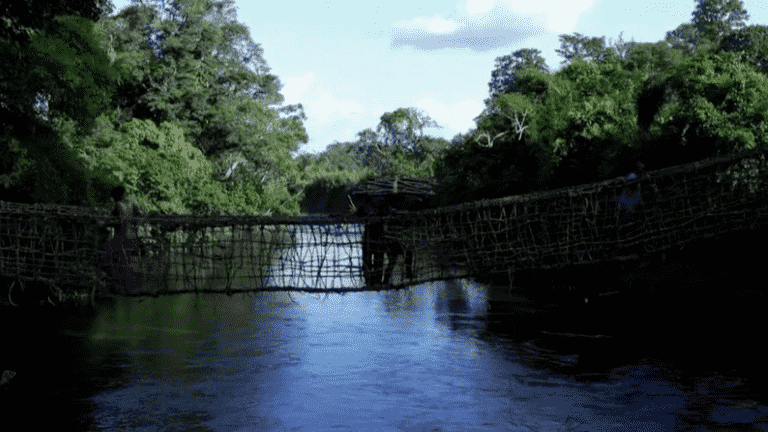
pixel 166 117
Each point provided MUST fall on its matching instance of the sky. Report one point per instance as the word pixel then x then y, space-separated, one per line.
pixel 349 61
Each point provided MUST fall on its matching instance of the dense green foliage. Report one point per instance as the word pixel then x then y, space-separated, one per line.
pixel 188 130
pixel 50 48
pixel 223 108
pixel 173 96
pixel 700 93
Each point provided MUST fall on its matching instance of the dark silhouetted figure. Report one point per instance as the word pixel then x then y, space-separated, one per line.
pixel 123 250
pixel 631 196
pixel 393 248
pixel 628 200
pixel 379 240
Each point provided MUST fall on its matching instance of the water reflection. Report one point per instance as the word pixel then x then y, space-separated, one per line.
pixel 431 358
pixel 421 359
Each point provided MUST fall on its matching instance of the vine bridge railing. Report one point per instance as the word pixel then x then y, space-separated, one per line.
pixel 69 250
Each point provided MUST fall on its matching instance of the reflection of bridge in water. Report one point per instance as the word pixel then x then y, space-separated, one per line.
pixel 60 247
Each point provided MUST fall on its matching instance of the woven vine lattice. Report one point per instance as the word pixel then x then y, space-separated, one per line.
pixel 70 249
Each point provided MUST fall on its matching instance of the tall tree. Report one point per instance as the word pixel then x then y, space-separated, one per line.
pixel 503 74
pixel 684 38
pixel 752 41
pixel 400 126
pixel 39 46
pixel 622 48
pixel 184 69
pixel 21 21
pixel 25 18
pixel 172 70
pixel 370 154
pixel 708 104
pixel 650 57
pixel 578 46
pixel 712 21
pixel 503 77
pixel 77 89
pixel 396 148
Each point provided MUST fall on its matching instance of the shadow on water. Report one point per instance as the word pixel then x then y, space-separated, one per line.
pixel 449 356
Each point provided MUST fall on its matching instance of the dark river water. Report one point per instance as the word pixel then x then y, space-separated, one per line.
pixel 430 358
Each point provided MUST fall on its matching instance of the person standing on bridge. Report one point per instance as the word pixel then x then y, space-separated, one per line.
pixel 630 197
pixel 638 173
pixel 373 249
pixel 127 211
pixel 123 249
pixel 380 240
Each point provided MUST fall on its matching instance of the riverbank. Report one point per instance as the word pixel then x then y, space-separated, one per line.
pixel 712 286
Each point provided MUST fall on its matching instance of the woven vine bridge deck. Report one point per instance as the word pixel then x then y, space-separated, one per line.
pixel 63 247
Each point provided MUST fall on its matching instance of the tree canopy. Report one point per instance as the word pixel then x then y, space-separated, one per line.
pixel 176 102
pixel 50 48
pixel 174 65
pixel 698 93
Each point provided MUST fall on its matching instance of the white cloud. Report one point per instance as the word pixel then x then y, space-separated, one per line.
pixel 295 87
pixel 485 25
pixel 561 16
pixel 433 24
pixel 552 6
pixel 325 108
pixel 562 23
pixel 453 117
pixel 479 6
pixel 320 105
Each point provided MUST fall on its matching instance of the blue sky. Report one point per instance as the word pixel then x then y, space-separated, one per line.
pixel 348 62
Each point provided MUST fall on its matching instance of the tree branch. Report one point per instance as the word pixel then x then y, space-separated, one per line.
pixel 488 137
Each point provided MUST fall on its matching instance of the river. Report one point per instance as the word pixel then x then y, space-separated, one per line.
pixel 427 359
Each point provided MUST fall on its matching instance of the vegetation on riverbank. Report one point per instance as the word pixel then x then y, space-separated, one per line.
pixel 187 131
pixel 170 121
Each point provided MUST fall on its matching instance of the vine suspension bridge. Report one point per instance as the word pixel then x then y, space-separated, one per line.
pixel 60 246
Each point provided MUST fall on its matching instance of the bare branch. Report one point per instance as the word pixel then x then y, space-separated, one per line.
pixel 488 137
pixel 518 123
